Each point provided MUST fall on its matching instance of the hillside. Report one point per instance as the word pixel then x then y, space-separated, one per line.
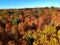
pixel 14 23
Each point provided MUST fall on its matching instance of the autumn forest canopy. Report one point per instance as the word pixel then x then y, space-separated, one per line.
pixel 30 26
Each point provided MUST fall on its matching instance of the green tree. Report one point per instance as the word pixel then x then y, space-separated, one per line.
pixel 15 21
pixel 52 7
pixel 46 7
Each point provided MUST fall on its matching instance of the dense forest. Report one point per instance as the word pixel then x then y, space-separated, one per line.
pixel 30 26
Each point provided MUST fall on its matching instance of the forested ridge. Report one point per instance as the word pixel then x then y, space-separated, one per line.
pixel 30 26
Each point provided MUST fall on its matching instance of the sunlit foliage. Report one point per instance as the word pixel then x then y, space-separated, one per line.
pixel 45 37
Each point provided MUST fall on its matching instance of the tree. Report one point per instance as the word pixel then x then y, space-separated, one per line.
pixel 46 7
pixel 15 21
pixel 52 7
